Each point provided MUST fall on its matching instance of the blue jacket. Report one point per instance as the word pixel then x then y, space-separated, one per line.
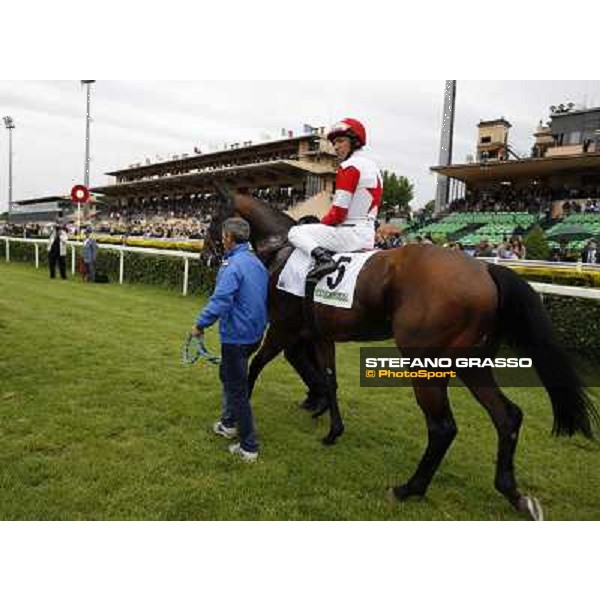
pixel 239 300
pixel 90 249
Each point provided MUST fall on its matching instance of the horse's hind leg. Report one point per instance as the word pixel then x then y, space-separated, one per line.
pixel 441 431
pixel 507 418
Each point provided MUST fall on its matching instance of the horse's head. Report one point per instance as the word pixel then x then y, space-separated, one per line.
pixel 213 245
pixel 268 225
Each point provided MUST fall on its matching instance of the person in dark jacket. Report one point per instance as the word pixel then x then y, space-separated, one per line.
pixel 590 253
pixel 239 302
pixel 57 251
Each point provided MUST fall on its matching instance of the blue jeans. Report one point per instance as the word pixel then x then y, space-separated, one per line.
pixel 233 372
pixel 90 271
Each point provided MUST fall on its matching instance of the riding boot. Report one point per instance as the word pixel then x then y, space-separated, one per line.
pixel 324 264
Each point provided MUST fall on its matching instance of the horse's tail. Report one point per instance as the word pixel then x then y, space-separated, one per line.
pixel 527 326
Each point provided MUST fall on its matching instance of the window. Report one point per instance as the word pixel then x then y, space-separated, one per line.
pixel 486 139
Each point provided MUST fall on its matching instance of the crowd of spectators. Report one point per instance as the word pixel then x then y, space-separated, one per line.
pixel 24 230
pixel 33 230
pixel 534 199
pixel 510 248
pixel 178 218
pixel 174 229
pixel 281 198
pixel 572 207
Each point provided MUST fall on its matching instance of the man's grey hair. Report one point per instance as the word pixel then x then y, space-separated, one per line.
pixel 238 228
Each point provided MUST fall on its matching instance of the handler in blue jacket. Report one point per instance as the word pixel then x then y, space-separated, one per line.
pixel 239 302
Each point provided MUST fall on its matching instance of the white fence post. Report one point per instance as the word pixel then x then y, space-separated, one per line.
pixel 37 256
pixel 7 250
pixel 186 274
pixel 121 266
pixel 72 260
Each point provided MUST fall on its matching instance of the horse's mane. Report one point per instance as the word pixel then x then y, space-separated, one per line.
pixel 269 225
pixel 269 215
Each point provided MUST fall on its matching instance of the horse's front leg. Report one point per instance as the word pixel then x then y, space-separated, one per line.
pixel 325 354
pixel 302 358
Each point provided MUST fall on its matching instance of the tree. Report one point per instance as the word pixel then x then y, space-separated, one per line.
pixel 536 244
pixel 398 191
pixel 429 208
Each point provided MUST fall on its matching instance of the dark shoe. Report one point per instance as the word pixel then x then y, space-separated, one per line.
pixel 324 264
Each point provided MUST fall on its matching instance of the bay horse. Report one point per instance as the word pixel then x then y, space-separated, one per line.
pixel 424 297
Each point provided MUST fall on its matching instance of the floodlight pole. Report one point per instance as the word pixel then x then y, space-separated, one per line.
pixel 446 140
pixel 86 172
pixel 10 125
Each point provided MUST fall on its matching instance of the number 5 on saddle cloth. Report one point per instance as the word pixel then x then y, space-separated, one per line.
pixel 194 349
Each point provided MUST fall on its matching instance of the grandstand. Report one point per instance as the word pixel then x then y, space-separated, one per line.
pixel 502 194
pixel 178 195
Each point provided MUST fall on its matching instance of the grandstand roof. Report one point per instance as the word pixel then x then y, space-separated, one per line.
pixel 487 172
pixel 208 157
pixel 43 200
pixel 244 174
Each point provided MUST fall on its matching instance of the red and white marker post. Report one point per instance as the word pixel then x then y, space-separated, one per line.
pixel 80 195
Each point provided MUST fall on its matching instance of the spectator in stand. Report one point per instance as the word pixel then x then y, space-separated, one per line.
pixel 483 249
pixel 502 248
pixel 559 254
pixel 590 253
pixel 57 251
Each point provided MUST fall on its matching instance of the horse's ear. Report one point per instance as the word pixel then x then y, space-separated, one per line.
pixel 224 192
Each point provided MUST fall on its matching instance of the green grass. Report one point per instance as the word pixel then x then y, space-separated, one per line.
pixel 100 421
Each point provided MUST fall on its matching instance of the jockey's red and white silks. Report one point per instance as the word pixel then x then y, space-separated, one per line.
pixel 358 192
pixel 338 239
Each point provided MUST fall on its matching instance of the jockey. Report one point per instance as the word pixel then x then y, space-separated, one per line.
pixel 350 223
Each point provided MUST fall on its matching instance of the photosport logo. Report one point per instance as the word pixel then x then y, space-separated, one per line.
pixel 387 367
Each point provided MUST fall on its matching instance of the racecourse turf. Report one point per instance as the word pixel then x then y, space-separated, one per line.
pixel 99 420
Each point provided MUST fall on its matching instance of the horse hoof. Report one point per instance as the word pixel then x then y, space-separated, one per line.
pixel 333 435
pixel 401 493
pixel 531 506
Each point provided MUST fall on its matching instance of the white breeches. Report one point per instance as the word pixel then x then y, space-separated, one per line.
pixel 338 239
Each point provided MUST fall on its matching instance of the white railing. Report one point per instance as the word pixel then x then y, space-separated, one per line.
pixel 122 250
pixel 579 266
pixel 542 288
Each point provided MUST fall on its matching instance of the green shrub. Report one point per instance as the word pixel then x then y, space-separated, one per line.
pixel 560 276
pixel 537 244
pixel 576 322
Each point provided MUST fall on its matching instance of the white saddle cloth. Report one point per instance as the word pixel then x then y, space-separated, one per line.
pixel 336 289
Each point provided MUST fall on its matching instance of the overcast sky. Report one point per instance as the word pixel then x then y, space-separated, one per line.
pixel 133 120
